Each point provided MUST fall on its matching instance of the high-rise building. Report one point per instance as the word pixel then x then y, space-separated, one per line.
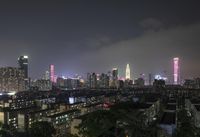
pixel 104 81
pixel 91 80
pixel 88 80
pixel 68 83
pixel 11 79
pixel 60 82
pixel 114 83
pixel 47 75
pixel 94 80
pixel 192 83
pixel 23 65
pixel 42 84
pixel 52 73
pixel 115 74
pixel 176 71
pixel 128 72
pixel 75 83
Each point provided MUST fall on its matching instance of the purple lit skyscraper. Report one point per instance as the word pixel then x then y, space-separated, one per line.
pixel 176 71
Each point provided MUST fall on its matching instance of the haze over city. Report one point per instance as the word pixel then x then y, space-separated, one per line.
pixel 99 68
pixel 95 36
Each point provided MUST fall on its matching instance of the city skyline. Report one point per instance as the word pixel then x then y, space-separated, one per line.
pixel 81 37
pixel 99 68
pixel 125 75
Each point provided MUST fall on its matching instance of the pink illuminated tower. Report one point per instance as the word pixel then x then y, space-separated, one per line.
pixel 52 73
pixel 176 71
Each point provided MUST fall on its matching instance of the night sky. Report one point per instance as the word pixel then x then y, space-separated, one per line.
pixel 97 35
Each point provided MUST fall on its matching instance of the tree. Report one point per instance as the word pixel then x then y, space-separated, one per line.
pixel 97 124
pixel 41 129
pixel 120 121
pixel 185 126
pixel 131 120
pixel 6 130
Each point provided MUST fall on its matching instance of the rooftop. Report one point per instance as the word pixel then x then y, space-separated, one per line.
pixel 64 113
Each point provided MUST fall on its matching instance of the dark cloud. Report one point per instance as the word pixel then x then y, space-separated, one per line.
pixel 151 24
pixel 153 52
pixel 84 36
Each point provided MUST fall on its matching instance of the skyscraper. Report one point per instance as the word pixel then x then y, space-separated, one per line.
pixel 23 65
pixel 114 82
pixel 176 71
pixel 52 73
pixel 92 80
pixel 128 72
pixel 46 77
pixel 115 74
pixel 104 81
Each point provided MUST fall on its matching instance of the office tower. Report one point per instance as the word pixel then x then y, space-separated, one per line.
pixel 88 80
pixel 12 79
pixel 176 71
pixel 114 82
pixel 115 74
pixel 68 83
pixel 104 81
pixel 93 80
pixel 23 65
pixel 47 75
pixel 75 82
pixel 128 72
pixel 52 73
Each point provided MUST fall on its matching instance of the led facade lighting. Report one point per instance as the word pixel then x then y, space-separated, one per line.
pixel 128 72
pixel 176 71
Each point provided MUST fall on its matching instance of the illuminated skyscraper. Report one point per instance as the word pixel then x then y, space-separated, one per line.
pixel 52 73
pixel 128 72
pixel 23 65
pixel 176 71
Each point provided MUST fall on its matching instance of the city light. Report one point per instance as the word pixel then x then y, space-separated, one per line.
pixel 52 75
pixel 25 56
pixel 128 72
pixel 176 70
pixel 99 68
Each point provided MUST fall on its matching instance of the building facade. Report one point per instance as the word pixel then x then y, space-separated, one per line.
pixel 12 79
